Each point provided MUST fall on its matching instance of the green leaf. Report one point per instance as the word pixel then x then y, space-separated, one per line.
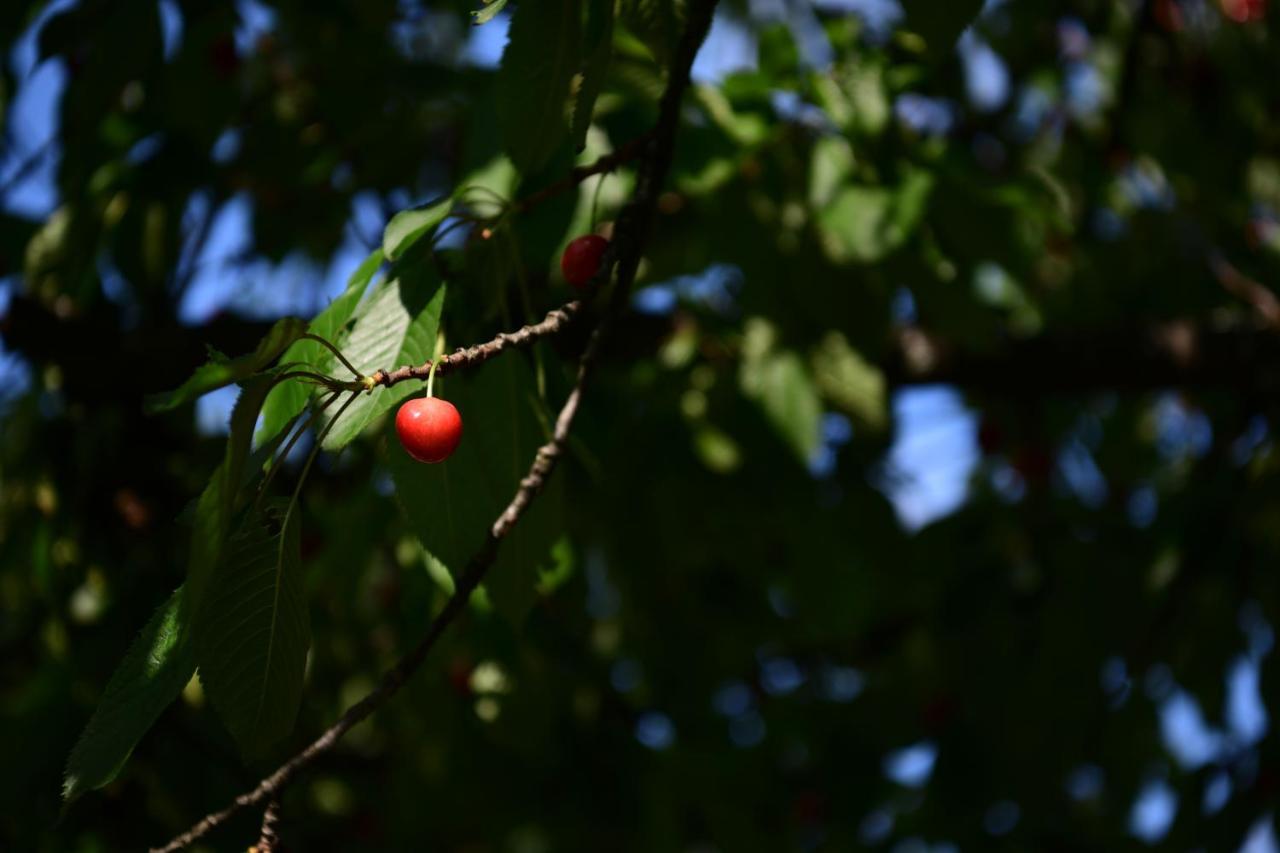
pixel 485 15
pixel 452 505
pixel 409 226
pixel 252 635
pixel 864 83
pixel 154 671
pixel 289 398
pixel 716 449
pixel 777 380
pixel 244 417
pixel 599 50
pixel 744 128
pixel 850 382
pixel 940 24
pixel 397 325
pixel 830 165
pixel 218 502
pixel 864 224
pixel 217 374
pixel 538 65
pixel 654 22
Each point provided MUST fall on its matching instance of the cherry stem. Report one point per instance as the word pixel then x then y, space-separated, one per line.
pixel 431 377
pixel 595 200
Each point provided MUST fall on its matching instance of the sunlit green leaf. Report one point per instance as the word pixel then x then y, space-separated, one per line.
pixel 777 379
pixel 395 326
pixel 716 449
pixel 832 163
pixel 743 127
pixel 486 14
pixel 290 397
pixel 866 223
pixel 152 674
pixel 850 381
pixel 409 226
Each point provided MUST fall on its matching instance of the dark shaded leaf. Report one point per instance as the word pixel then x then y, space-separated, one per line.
pixel 654 22
pixel 543 54
pixel 452 505
pixel 253 633
pixel 219 501
pixel 599 50
pixel 940 24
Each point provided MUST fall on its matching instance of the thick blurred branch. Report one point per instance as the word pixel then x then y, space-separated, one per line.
pixel 623 260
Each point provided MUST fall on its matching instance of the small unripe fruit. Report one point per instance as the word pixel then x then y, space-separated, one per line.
pixel 429 428
pixel 581 259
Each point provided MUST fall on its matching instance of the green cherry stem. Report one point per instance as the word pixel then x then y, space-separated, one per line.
pixel 431 377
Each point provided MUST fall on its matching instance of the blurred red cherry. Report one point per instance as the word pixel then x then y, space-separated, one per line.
pixel 1244 11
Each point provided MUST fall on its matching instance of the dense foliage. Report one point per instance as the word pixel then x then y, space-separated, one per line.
pixel 724 624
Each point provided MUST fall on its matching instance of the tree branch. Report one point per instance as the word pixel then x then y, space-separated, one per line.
pixel 622 260
pixel 578 174
pixel 269 835
pixel 555 321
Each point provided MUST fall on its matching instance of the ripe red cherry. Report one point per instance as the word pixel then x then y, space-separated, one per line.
pixel 429 428
pixel 581 259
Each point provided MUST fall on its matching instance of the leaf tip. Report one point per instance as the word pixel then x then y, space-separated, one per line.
pixel 154 404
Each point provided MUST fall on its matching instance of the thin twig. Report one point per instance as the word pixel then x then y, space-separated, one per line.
pixel 1263 300
pixel 625 253
pixel 555 321
pixel 269 835
pixel 608 163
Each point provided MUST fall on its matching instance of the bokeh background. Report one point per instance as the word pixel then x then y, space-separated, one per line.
pixel 929 500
